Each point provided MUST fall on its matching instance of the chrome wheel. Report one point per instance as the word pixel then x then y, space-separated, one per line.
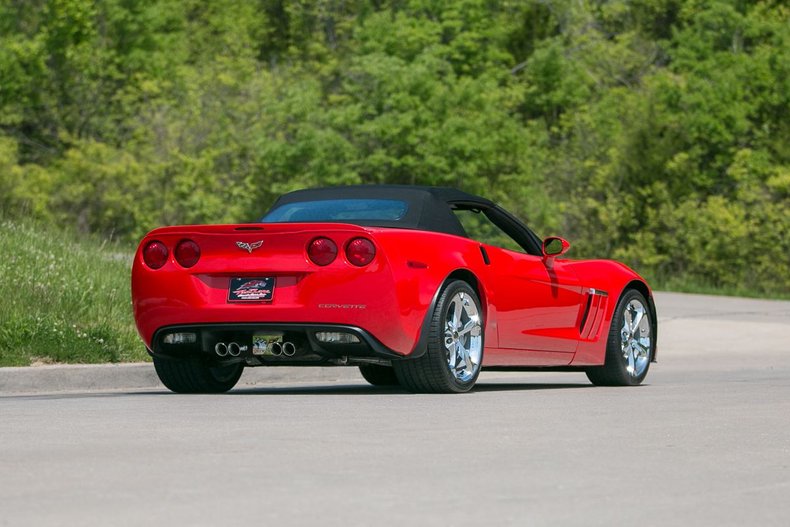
pixel 462 337
pixel 630 343
pixel 635 338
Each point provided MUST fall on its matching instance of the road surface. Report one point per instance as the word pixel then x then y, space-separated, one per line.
pixel 706 441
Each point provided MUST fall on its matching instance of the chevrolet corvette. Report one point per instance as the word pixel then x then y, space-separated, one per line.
pixel 418 287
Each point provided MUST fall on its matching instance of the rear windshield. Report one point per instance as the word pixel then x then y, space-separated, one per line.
pixel 339 210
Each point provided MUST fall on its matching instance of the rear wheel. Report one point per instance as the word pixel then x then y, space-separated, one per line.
pixel 451 364
pixel 630 345
pixel 378 375
pixel 194 376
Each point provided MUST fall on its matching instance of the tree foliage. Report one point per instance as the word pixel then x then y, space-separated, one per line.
pixel 652 131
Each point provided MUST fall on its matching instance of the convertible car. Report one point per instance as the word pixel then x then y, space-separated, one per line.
pixel 420 287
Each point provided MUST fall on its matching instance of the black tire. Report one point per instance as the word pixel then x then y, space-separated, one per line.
pixel 194 376
pixel 614 371
pixel 431 372
pixel 378 375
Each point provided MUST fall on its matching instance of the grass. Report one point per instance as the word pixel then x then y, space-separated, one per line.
pixel 64 298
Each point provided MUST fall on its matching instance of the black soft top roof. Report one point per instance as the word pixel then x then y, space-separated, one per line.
pixel 429 208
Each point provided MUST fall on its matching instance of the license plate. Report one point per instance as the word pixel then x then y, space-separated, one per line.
pixel 251 289
pixel 262 343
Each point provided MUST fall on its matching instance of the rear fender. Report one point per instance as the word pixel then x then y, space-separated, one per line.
pixel 464 275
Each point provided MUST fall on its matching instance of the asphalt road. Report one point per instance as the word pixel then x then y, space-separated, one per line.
pixel 705 442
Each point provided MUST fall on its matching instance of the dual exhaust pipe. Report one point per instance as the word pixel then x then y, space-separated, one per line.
pixel 285 348
pixel 234 349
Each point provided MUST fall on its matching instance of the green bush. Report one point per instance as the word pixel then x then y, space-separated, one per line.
pixel 653 131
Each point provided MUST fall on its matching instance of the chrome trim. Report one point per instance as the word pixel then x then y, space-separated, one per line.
pixel 249 247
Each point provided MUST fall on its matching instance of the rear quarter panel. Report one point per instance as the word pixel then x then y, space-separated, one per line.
pixel 421 262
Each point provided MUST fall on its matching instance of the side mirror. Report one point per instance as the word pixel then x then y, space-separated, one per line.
pixel 555 246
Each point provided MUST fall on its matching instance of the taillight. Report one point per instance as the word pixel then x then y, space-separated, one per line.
pixel 187 253
pixel 360 251
pixel 155 254
pixel 322 251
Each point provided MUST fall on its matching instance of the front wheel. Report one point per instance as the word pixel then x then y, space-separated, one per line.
pixel 451 364
pixel 630 345
pixel 195 376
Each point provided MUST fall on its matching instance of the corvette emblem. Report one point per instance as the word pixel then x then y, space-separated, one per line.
pixel 249 247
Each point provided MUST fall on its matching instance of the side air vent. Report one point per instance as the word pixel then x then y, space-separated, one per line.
pixel 594 311
pixel 483 251
pixel 586 312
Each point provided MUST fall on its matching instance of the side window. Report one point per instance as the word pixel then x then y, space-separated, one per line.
pixel 479 228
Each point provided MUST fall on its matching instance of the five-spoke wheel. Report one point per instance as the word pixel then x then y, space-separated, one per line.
pixel 635 338
pixel 463 341
pixel 630 344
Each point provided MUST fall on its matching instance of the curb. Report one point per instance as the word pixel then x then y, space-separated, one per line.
pixel 141 375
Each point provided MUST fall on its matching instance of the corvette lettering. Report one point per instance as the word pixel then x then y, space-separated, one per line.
pixel 342 306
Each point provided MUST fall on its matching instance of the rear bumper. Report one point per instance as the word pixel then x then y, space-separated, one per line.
pixel 309 350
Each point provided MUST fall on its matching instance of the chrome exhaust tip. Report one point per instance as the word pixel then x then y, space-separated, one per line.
pixel 277 349
pixel 234 350
pixel 221 349
pixel 289 349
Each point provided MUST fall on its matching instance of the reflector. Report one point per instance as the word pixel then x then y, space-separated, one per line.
pixel 336 337
pixel 180 338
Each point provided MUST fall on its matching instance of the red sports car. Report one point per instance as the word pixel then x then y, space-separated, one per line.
pixel 420 287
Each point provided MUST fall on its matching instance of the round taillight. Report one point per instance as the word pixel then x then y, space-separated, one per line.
pixel 360 251
pixel 187 253
pixel 155 254
pixel 322 251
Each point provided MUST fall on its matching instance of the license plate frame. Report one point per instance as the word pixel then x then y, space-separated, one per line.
pixel 251 290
